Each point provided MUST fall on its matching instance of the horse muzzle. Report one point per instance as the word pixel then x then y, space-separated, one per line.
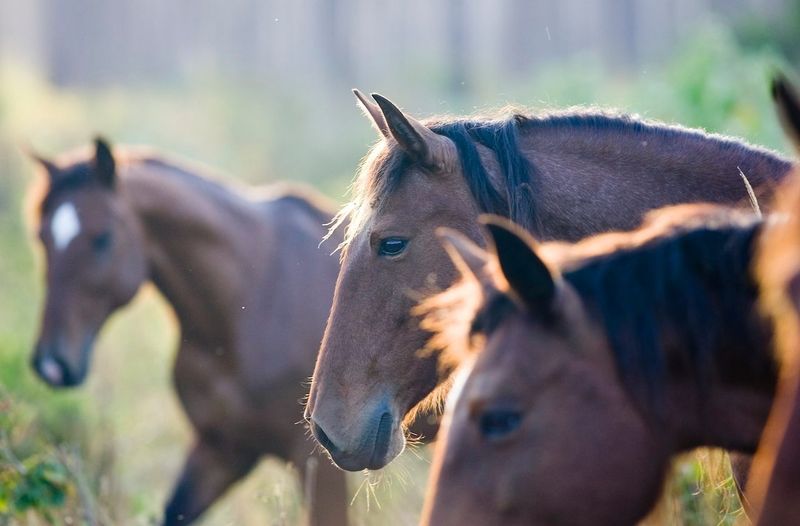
pixel 56 371
pixel 380 442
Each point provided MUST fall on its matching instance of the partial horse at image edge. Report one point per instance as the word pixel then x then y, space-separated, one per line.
pixel 775 486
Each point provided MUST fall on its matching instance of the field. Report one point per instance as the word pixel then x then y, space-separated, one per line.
pixel 107 453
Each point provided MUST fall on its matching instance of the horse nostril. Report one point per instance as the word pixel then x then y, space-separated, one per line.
pixel 321 437
pixel 382 438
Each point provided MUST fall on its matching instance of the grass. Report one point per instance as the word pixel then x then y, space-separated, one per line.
pixel 108 452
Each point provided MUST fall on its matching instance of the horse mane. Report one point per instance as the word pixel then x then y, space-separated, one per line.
pixel 385 164
pixel 684 276
pixel 76 173
pixel 297 195
pixel 694 285
pixel 300 196
pixel 75 169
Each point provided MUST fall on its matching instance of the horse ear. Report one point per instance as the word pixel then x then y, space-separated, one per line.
pixel 104 164
pixel 48 165
pixel 469 258
pixel 788 107
pixel 527 275
pixel 423 145
pixel 373 111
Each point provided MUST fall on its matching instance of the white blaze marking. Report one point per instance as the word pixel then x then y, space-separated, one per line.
pixel 65 225
pixel 459 380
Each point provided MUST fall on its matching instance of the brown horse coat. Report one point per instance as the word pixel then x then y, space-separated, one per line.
pixel 250 286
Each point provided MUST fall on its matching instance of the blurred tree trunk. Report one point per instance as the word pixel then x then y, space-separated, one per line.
pixel 456 21
pixel 623 38
pixel 533 33
pixel 520 16
pixel 83 41
pixel 333 22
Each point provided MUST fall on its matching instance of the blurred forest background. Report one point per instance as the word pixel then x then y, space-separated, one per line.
pixel 259 90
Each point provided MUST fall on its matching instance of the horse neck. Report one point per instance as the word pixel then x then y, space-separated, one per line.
pixel 727 404
pixel 594 178
pixel 199 240
pixel 683 325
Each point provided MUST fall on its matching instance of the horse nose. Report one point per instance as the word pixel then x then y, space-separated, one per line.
pixel 365 451
pixel 49 369
pixel 322 438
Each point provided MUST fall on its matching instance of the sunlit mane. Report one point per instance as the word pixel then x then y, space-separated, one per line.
pixel 353 215
pixel 448 316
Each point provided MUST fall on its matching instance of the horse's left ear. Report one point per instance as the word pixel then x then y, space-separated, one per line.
pixel 104 164
pixel 788 105
pixel 527 275
pixel 425 147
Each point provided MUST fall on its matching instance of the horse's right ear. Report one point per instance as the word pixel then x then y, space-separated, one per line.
pixel 787 103
pixel 373 111
pixel 49 166
pixel 529 278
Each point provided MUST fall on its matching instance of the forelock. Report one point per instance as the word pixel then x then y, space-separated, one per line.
pixel 379 173
pixel 73 178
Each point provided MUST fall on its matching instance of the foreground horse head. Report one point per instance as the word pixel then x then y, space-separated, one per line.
pixel 391 258
pixel 587 367
pixel 95 261
pixel 562 176
pixel 774 489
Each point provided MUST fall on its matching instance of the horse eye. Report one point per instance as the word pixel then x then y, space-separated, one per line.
pixel 392 246
pixel 497 423
pixel 101 242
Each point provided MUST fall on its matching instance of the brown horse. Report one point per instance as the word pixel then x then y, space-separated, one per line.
pixel 591 365
pixel 561 176
pixel 775 489
pixel 248 283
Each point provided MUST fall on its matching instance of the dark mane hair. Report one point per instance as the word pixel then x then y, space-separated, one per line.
pixel 669 297
pixel 500 136
pixel 695 284
pixel 384 167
